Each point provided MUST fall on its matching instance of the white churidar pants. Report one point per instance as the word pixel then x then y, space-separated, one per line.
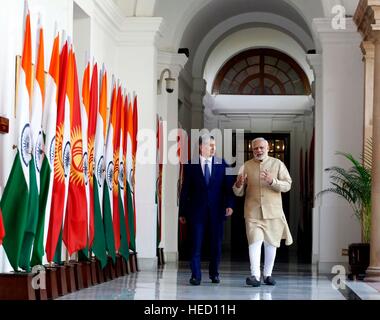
pixel 255 256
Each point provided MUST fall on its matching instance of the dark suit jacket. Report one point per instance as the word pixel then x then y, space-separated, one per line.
pixel 198 200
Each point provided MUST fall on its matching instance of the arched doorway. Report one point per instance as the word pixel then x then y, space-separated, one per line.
pixel 270 74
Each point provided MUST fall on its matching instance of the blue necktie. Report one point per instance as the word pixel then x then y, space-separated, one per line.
pixel 207 173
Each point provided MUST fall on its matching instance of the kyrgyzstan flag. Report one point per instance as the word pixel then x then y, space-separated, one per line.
pixel 91 131
pixel 85 109
pixel 49 123
pixel 108 185
pixel 14 202
pixel 75 228
pixel 116 151
pixel 99 243
pixel 62 160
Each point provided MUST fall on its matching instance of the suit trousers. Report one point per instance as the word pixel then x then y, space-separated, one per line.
pixel 214 228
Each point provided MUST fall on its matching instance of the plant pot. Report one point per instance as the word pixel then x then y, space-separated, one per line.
pixel 358 259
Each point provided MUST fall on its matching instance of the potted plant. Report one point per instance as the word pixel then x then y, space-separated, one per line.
pixel 354 185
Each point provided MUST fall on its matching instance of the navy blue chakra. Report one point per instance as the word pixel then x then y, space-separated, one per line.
pixel 39 151
pixel 100 171
pixel 67 159
pixel 109 175
pixel 26 145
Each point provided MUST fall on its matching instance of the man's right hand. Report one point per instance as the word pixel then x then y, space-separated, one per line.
pixel 241 180
pixel 182 220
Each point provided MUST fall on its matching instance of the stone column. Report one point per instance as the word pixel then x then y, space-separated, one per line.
pixel 168 109
pixel 368 49
pixel 373 271
pixel 339 127
pixel 367 18
pixel 197 108
pixel 315 62
pixel 137 64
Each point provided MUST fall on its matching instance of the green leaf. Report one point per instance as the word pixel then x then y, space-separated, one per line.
pixel 354 185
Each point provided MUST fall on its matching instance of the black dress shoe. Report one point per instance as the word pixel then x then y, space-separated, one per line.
pixel 252 281
pixel 195 282
pixel 269 281
pixel 215 279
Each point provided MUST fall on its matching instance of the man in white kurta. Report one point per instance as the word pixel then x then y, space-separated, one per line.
pixel 262 179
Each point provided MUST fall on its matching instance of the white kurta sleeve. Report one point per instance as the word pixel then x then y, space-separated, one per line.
pixel 239 192
pixel 283 181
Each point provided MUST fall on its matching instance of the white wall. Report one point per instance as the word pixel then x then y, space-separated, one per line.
pixel 168 110
pixel 94 34
pixel 178 14
pixel 234 104
pixel 184 95
pixel 243 21
pixel 339 115
pixel 81 39
pixel 141 76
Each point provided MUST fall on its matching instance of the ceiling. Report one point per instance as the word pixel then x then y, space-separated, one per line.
pixel 188 22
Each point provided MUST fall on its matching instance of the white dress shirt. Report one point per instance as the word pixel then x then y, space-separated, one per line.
pixel 203 162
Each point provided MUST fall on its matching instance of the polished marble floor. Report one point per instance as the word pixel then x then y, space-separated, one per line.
pixel 170 282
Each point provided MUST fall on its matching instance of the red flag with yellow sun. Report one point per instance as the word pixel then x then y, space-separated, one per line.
pixel 75 227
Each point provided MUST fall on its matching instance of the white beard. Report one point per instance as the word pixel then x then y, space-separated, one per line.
pixel 262 157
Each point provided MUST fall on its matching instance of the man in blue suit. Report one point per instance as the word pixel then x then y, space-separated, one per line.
pixel 206 201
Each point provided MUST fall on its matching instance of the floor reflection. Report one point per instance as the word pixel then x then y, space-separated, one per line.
pixel 171 282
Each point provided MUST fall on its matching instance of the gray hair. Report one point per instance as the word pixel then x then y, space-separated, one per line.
pixel 260 139
pixel 205 138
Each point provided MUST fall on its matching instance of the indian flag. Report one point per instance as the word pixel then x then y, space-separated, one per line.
pixel 85 109
pixel 14 202
pixel 130 176
pixel 108 186
pixel 49 122
pixel 99 243
pixel 34 220
pixel 124 248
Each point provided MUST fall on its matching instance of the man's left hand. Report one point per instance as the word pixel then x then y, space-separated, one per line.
pixel 266 176
pixel 229 212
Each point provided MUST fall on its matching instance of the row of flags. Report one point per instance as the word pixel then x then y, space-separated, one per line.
pixel 72 179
